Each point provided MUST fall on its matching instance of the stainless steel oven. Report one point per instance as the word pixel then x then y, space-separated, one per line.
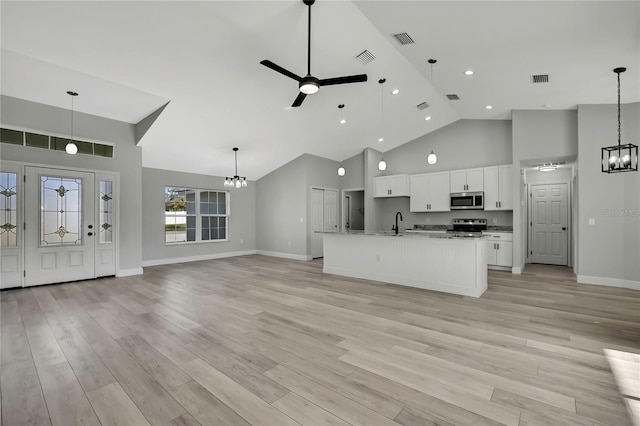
pixel 467 201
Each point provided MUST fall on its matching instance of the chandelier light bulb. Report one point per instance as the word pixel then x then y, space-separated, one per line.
pixel 382 165
pixel 341 171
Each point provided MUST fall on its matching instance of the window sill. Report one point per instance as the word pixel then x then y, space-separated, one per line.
pixel 188 243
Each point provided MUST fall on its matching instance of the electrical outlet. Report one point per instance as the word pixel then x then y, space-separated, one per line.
pixel 592 221
pixel 495 220
pixel 241 241
pixel 377 258
pixel 289 243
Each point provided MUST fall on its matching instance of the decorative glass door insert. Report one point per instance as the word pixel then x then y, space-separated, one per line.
pixel 60 211
pixel 8 210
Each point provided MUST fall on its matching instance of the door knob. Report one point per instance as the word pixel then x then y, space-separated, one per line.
pixel 90 226
pixel 564 228
pixel 90 234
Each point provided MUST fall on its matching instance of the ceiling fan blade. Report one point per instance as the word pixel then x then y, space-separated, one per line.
pixel 342 80
pixel 299 100
pixel 267 63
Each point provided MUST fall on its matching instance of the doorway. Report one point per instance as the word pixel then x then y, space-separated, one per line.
pixel 353 210
pixel 324 217
pixel 549 224
pixel 63 224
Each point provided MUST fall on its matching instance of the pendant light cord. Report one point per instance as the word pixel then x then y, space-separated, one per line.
pixel 619 125
pixel 72 118
pixel 236 154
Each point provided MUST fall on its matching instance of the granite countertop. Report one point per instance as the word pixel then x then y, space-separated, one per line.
pixel 500 228
pixel 403 234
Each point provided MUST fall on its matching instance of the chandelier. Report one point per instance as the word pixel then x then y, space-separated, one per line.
pixel 235 181
pixel 620 158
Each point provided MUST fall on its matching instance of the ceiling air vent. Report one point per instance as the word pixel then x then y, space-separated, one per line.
pixel 453 97
pixel 540 78
pixel 403 38
pixel 423 105
pixel 365 57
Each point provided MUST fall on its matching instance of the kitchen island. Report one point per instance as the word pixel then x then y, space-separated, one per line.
pixel 437 262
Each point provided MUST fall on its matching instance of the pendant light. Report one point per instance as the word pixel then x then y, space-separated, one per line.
pixel 341 170
pixel 432 158
pixel 619 158
pixel 71 147
pixel 382 165
pixel 235 181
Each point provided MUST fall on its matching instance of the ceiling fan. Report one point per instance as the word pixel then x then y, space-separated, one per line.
pixel 309 84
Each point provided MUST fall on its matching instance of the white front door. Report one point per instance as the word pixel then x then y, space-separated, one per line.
pixel 549 224
pixel 60 228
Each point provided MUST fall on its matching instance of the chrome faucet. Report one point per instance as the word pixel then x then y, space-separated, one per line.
pixel 395 228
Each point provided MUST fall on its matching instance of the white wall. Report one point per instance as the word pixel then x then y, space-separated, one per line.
pixel 283 204
pixel 127 161
pixel 609 250
pixel 242 220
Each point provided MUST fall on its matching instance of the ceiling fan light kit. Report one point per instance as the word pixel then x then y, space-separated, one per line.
pixel 308 85
pixel 619 158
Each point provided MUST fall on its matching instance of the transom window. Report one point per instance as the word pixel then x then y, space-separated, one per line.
pixel 195 215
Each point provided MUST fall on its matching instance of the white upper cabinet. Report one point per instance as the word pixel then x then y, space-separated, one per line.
pixel 430 192
pixel 498 186
pixel 391 186
pixel 467 180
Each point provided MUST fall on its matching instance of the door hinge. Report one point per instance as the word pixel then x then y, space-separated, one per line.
pixel 531 252
pixel 24 178
pixel 24 273
pixel 24 225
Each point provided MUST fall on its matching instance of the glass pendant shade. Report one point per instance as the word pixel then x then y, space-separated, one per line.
pixel 432 158
pixel 619 158
pixel 341 171
pixel 382 165
pixel 71 148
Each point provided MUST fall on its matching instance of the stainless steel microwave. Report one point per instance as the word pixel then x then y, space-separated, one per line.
pixel 467 201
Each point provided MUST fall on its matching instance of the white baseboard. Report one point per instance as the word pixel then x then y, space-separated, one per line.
pixel 157 262
pixel 129 272
pixel 611 282
pixel 284 255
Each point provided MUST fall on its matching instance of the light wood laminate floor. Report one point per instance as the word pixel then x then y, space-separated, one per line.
pixel 266 341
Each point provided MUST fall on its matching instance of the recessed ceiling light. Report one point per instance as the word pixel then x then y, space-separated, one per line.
pixel 469 72
pixel 427 118
pixel 343 121
pixel 380 140
pixel 488 107
pixel 395 92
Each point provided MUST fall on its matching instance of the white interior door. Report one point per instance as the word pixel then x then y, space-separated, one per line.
pixel 60 226
pixel 330 210
pixel 549 224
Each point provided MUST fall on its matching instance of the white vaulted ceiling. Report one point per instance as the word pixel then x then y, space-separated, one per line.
pixel 127 59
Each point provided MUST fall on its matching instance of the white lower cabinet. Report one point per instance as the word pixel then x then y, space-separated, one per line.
pixel 500 249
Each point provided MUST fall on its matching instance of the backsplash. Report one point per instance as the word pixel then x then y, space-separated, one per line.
pixel 389 207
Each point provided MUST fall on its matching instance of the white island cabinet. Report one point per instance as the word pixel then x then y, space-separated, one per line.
pixel 436 262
